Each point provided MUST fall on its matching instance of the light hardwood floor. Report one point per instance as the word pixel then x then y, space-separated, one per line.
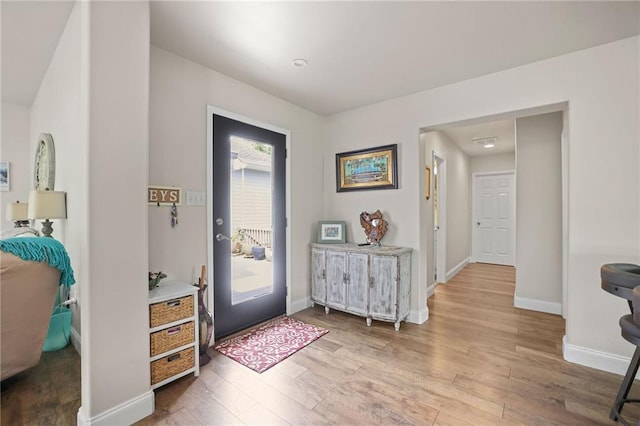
pixel 477 361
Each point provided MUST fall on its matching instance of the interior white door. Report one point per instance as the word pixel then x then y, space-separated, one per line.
pixel 494 219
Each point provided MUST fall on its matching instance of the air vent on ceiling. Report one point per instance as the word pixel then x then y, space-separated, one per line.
pixel 485 142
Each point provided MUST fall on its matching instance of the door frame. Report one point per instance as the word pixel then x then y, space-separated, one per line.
pixel 211 110
pixel 474 213
pixel 440 251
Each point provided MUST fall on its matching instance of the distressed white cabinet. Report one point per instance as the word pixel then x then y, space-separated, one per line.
pixel 370 281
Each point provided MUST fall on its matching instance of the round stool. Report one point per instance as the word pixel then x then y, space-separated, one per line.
pixel 623 280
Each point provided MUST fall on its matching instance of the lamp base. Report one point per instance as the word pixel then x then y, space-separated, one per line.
pixel 47 228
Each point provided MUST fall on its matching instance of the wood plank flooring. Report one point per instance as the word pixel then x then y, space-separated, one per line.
pixel 47 394
pixel 476 361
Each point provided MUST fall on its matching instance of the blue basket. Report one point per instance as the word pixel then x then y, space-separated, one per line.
pixel 59 330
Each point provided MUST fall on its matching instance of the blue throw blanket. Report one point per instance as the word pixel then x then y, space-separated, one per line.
pixel 41 249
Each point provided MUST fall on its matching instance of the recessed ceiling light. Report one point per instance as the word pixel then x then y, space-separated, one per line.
pixel 489 145
pixel 299 63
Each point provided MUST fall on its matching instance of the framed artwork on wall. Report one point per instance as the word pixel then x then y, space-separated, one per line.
pixel 373 168
pixel 331 231
pixel 427 182
pixel 5 177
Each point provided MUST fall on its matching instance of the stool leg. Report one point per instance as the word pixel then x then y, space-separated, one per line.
pixel 626 384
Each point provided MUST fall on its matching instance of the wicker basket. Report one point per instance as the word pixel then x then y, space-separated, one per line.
pixel 171 338
pixel 171 365
pixel 170 310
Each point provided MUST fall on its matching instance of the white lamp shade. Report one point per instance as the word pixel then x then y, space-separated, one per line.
pixel 47 205
pixel 17 211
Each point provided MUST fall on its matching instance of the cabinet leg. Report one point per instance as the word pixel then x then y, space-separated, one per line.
pixel 368 322
pixel 326 310
pixel 396 325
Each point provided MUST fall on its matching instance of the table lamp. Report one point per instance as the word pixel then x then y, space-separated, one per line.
pixel 47 205
pixel 17 213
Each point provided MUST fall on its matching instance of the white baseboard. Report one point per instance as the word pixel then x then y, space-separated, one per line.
pixel 431 290
pixel 418 316
pixel 124 414
pixel 76 341
pixel 459 267
pixel 595 359
pixel 300 304
pixel 537 305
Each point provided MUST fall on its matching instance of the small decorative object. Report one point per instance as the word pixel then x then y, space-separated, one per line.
pixel 374 168
pixel 205 321
pixel 331 232
pixel 174 215
pixel 374 226
pixel 44 167
pixel 154 279
pixel 164 195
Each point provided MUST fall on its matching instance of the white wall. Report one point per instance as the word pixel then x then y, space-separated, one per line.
pixel 94 102
pixel 601 86
pixel 118 243
pixel 180 93
pixel 14 148
pixel 59 109
pixel 539 213
pixel 458 199
pixel 493 163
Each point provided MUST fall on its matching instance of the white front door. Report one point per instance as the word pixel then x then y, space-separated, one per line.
pixel 494 218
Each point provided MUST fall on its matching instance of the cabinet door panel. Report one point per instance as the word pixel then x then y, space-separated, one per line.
pixel 318 285
pixel 336 294
pixel 358 283
pixel 383 292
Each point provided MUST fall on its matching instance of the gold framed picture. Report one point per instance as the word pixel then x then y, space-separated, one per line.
pixel 427 182
pixel 374 168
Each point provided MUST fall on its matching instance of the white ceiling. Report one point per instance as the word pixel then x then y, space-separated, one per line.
pixel 358 52
pixel 30 34
pixel 504 130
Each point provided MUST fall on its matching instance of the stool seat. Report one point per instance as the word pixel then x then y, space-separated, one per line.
pixel 620 278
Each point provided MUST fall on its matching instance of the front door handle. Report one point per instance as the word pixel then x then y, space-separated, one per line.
pixel 221 237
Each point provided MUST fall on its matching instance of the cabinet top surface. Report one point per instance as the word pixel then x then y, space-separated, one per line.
pixel 353 247
pixel 171 289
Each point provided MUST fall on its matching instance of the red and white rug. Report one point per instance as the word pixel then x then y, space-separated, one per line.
pixel 263 347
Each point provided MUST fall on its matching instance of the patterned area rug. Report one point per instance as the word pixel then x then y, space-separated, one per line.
pixel 265 346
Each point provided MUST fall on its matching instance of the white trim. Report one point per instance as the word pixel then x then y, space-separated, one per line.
pixel 76 340
pixel 218 111
pixel 459 267
pixel 418 316
pixel 474 213
pixel 440 251
pixel 126 413
pixel 537 305
pixel 564 152
pixel 299 305
pixel 431 289
pixel 605 361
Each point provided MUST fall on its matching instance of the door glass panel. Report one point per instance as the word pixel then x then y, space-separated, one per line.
pixel 251 219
